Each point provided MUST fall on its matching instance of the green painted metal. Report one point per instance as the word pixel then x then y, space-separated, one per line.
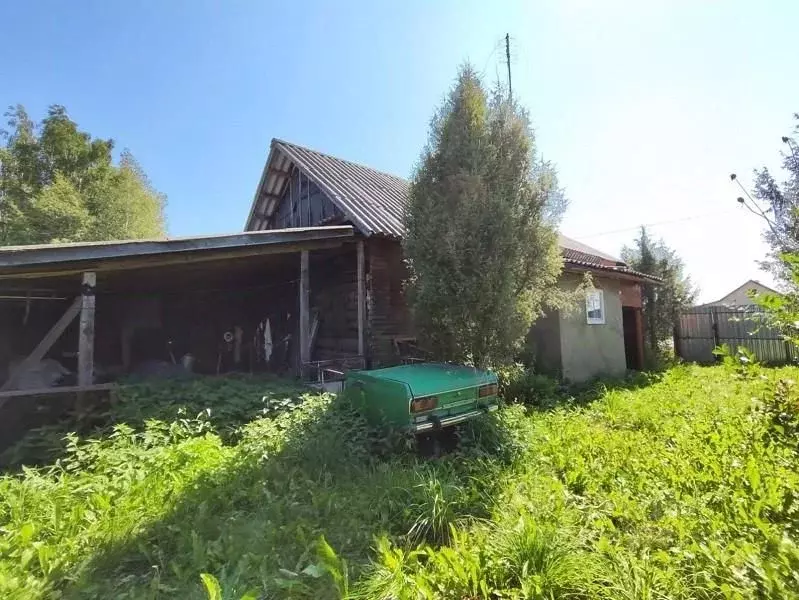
pixel 385 395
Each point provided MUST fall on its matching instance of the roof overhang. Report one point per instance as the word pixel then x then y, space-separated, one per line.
pixel 59 259
pixel 273 182
pixel 623 273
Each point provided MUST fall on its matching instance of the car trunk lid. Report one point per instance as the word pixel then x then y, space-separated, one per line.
pixel 450 383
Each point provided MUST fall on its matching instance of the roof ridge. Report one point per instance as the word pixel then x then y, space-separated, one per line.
pixel 339 159
pixel 375 201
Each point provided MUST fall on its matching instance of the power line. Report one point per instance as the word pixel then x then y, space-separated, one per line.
pixel 657 223
pixel 496 47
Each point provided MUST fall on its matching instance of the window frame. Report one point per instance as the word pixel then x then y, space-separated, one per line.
pixel 594 293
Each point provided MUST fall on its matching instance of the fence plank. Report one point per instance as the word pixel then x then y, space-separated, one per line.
pixel 699 330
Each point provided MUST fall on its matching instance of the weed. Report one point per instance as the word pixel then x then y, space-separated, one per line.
pixel 677 486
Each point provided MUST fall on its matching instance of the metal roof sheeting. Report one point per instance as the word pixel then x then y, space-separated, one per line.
pixel 374 201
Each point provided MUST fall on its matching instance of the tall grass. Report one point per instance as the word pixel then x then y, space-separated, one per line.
pixel 684 488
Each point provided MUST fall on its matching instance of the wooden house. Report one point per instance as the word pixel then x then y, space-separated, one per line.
pixel 300 187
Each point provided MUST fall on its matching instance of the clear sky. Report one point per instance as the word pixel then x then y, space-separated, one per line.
pixel 646 107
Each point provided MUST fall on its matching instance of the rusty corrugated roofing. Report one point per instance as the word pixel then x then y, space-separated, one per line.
pixel 375 201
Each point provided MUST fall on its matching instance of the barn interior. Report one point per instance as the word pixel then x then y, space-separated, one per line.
pixel 78 317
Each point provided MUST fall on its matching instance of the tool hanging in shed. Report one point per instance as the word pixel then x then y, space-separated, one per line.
pixel 229 351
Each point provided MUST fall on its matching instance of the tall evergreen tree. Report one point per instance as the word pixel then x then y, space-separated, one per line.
pixel 58 184
pixel 661 304
pixel 481 241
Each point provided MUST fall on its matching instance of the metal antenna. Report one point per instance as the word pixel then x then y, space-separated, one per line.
pixel 507 59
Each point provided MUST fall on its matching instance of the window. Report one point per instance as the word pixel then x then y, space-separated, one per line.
pixel 595 307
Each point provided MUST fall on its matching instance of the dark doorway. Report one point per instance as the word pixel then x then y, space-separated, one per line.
pixel 633 337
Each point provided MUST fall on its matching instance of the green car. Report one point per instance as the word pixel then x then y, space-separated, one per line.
pixel 422 397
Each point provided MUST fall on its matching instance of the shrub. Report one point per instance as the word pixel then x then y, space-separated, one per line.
pixel 518 384
pixel 782 411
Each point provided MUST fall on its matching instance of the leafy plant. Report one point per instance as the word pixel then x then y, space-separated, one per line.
pixel 782 410
pixel 335 566
pixel 213 591
pixel 518 383
pixel 742 361
pixel 676 486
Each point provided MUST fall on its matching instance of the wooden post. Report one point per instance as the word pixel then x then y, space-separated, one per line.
pixel 361 299
pixel 304 316
pixel 714 326
pixel 86 339
pixel 639 338
pixel 47 342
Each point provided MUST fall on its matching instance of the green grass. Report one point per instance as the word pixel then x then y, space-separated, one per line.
pixel 684 488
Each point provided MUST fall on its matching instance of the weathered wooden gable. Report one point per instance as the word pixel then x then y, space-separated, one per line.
pixel 303 204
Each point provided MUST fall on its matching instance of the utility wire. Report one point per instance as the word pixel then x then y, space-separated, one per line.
pixel 655 224
pixel 497 46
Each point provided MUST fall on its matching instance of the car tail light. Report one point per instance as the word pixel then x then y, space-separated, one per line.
pixel 424 404
pixel 487 390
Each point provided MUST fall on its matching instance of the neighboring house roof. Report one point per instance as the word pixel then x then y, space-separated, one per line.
pixel 375 201
pixel 734 295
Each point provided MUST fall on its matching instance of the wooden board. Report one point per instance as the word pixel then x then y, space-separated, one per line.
pixel 304 316
pixel 361 299
pixel 47 342
pixel 56 391
pixel 86 336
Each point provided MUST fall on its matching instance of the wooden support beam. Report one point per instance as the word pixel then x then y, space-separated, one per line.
pixel 44 346
pixel 314 331
pixel 361 299
pixel 81 390
pixel 86 335
pixel 172 258
pixel 639 338
pixel 304 313
pixel 57 391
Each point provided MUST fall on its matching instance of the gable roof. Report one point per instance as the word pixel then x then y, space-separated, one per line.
pixel 375 201
pixel 372 200
pixel 746 286
pixel 752 284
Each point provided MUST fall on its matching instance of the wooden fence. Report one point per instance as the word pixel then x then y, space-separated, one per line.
pixel 700 330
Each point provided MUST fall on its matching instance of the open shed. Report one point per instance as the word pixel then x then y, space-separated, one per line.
pixel 212 304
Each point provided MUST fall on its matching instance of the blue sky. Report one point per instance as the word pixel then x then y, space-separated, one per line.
pixel 645 107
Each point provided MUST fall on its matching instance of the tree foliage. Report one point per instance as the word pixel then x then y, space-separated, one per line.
pixel 661 304
pixel 481 243
pixel 57 184
pixel 781 217
pixel 781 210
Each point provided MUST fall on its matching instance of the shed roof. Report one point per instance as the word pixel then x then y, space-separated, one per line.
pixel 59 258
pixel 375 201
